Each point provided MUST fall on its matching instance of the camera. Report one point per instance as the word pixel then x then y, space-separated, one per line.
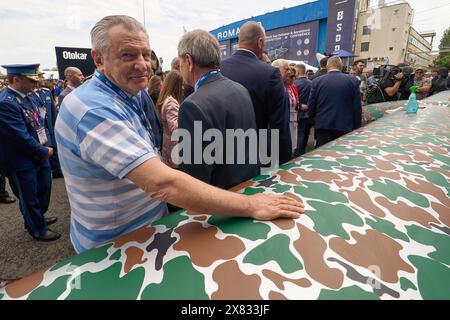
pixel 388 72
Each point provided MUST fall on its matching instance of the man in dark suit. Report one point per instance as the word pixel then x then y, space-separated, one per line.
pixel 74 78
pixel 150 111
pixel 264 84
pixel 219 104
pixel 335 103
pixel 305 122
pixel 45 99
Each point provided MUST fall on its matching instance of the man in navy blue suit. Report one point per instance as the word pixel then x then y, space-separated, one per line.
pixel 334 103
pixel 45 99
pixel 264 84
pixel 305 122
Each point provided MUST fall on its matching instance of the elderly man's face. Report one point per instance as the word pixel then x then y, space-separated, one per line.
pixel 284 70
pixel 127 62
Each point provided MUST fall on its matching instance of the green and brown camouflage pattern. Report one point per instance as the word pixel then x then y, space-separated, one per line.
pixel 377 226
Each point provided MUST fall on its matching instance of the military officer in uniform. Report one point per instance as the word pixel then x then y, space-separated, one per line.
pixel 24 150
pixel 47 105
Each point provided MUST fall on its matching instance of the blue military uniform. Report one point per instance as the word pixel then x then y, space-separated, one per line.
pixel 45 100
pixel 24 153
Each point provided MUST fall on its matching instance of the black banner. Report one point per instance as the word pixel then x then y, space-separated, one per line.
pixel 341 21
pixel 74 57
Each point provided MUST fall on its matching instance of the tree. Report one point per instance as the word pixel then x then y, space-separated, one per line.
pixel 443 59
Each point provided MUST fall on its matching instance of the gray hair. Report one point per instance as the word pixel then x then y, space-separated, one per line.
pixel 69 71
pixel 335 62
pixel 279 63
pixel 202 47
pixel 250 32
pixel 99 33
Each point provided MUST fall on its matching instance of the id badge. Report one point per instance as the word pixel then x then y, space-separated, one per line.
pixel 42 112
pixel 42 136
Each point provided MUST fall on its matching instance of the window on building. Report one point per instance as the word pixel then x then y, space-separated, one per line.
pixel 391 48
pixel 366 30
pixel 365 46
pixel 393 29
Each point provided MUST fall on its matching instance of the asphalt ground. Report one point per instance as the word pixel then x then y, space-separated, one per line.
pixel 20 254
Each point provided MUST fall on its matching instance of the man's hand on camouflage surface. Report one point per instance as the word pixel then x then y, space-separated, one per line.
pixel 269 207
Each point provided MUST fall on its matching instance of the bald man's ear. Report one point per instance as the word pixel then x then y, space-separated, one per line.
pixel 98 58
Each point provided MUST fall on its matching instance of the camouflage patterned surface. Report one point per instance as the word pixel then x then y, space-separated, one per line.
pixel 377 226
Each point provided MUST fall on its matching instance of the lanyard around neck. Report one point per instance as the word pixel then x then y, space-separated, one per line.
pixel 132 103
pixel 205 77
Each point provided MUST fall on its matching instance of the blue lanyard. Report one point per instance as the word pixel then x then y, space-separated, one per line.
pixel 205 77
pixel 133 104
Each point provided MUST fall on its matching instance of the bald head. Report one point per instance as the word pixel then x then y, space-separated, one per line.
pixel 74 76
pixel 252 37
pixel 334 63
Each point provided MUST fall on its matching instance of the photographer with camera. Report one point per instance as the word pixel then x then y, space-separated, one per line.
pixel 391 83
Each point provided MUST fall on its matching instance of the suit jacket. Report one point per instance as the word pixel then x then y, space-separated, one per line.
pixel 150 111
pixel 19 144
pixel 270 102
pixel 219 104
pixel 63 94
pixel 303 88
pixel 319 73
pixel 335 102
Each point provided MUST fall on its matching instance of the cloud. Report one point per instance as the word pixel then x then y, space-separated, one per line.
pixel 30 29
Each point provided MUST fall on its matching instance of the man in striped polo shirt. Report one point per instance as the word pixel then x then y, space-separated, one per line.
pixel 114 178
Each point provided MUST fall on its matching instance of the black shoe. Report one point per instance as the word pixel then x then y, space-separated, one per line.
pixel 48 221
pixel 49 235
pixel 57 175
pixel 8 200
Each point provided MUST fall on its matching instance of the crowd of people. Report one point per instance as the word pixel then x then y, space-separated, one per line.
pixel 113 136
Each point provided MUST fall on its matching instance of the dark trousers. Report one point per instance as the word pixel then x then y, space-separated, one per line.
pixel 54 164
pixel 304 128
pixel 54 160
pixel 324 136
pixel 33 188
pixel 3 193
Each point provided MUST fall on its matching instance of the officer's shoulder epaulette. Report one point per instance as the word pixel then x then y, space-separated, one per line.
pixel 7 98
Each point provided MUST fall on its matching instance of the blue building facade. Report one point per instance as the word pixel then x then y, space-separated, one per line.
pixel 298 33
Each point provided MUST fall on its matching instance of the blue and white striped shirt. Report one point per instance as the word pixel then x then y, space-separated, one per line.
pixel 100 140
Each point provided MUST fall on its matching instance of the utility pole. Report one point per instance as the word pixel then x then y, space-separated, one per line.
pixel 143 11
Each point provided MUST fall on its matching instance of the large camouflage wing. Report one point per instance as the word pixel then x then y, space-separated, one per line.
pixel 377 226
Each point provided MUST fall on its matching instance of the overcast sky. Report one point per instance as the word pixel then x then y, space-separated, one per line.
pixel 30 29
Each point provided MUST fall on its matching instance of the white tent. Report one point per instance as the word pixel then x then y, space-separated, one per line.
pixel 308 67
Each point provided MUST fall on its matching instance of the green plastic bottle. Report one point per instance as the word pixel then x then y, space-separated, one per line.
pixel 413 105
